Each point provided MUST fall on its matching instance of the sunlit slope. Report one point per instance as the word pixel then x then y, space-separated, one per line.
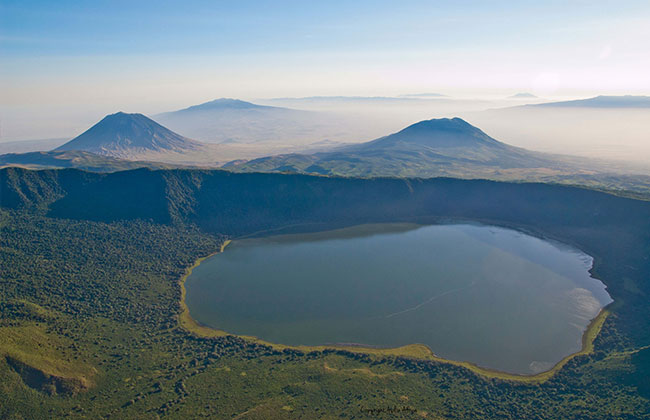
pixel 126 135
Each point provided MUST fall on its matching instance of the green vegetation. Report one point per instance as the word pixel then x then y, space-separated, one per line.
pixel 90 301
pixel 184 318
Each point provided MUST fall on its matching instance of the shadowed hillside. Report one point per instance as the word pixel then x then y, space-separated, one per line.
pixel 73 159
pixel 233 203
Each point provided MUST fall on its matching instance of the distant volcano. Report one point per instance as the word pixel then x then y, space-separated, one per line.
pixel 126 135
pixel 233 121
pixel 438 147
pixel 220 104
pixel 523 95
pixel 436 133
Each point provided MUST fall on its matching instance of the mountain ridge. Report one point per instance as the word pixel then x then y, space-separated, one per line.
pixel 208 197
pixel 601 101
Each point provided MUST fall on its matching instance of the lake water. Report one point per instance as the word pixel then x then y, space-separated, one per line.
pixel 488 295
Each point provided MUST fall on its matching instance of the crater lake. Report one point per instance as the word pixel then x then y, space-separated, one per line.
pixel 492 296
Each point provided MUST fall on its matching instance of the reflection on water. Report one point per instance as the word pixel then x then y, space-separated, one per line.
pixel 488 295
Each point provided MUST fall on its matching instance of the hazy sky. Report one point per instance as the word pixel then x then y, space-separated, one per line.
pixel 64 57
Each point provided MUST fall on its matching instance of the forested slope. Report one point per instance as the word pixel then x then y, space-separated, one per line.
pixel 90 267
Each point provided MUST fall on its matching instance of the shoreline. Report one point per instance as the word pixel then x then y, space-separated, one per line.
pixel 414 351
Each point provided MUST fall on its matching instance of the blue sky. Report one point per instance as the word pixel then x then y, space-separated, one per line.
pixel 152 55
pixel 74 28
